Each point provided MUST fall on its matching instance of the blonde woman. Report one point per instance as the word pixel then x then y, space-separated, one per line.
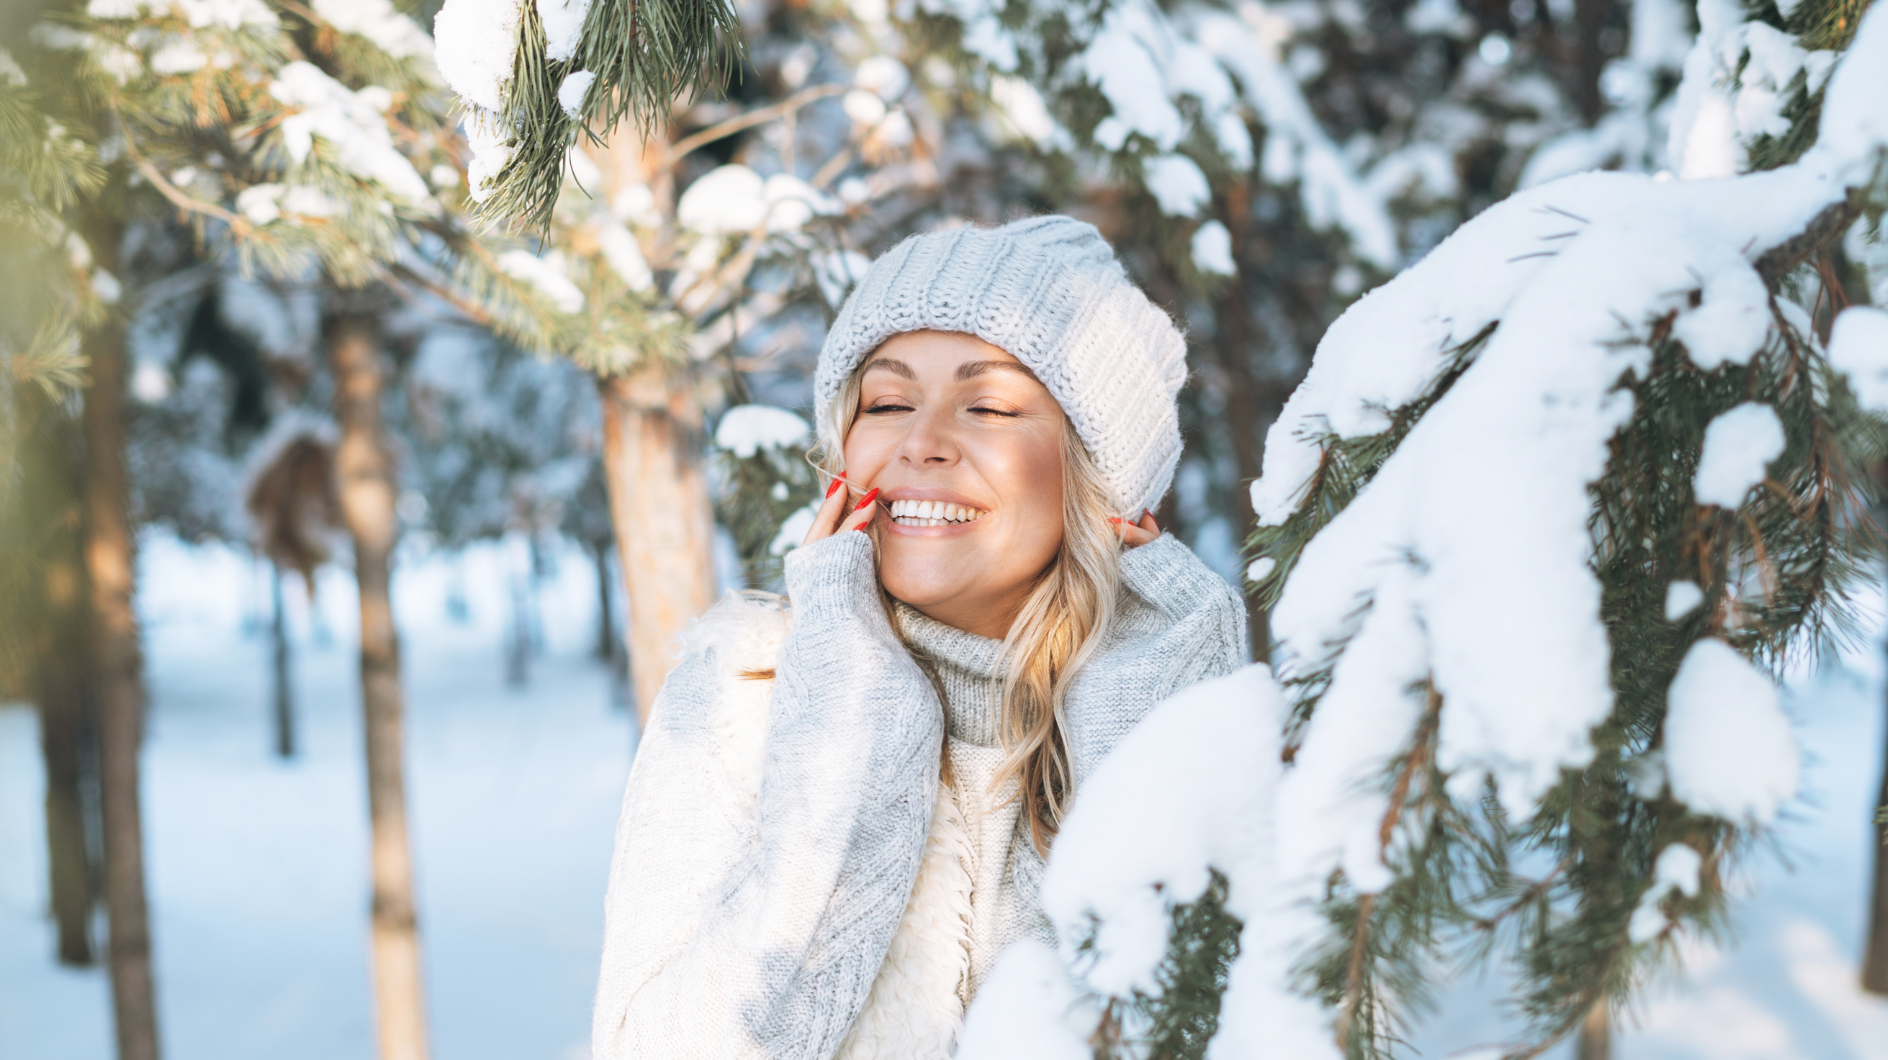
pixel 840 813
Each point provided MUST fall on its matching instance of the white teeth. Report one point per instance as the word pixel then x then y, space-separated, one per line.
pixel 932 513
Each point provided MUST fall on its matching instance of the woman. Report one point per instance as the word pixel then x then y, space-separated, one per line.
pixel 835 825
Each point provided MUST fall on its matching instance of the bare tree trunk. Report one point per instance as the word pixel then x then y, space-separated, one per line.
pixel 660 510
pixel 1596 1034
pixel 659 506
pixel 111 569
pixel 54 473
pixel 364 469
pixel 1875 951
pixel 284 687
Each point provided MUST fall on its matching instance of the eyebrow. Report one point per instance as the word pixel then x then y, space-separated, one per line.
pixel 972 369
pixel 894 366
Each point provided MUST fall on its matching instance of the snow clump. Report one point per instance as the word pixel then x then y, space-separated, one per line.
pixel 571 91
pixel 1729 751
pixel 389 30
pixel 1738 446
pixel 1177 184
pixel 793 531
pixel 1676 870
pixel 1212 250
pixel 547 274
pixel 1028 1007
pixel 476 46
pixel 1858 348
pixel 1681 599
pixel 563 26
pixel 353 123
pixel 747 429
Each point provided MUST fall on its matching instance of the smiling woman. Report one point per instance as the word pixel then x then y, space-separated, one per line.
pixel 833 829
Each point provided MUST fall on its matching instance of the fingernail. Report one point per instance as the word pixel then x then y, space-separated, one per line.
pixel 838 481
pixel 867 502
pixel 1114 518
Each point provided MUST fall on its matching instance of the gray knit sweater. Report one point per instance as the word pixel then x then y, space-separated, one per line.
pixel 770 837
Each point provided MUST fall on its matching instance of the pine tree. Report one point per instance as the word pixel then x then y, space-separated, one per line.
pixel 1545 511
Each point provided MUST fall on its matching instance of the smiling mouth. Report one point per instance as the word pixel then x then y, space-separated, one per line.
pixel 932 513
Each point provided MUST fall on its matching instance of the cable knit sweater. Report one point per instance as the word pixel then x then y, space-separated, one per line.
pixel 769 850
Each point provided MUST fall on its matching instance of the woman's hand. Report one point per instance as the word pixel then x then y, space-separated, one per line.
pixel 839 514
pixel 1134 534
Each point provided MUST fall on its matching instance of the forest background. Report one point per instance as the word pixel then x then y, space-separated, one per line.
pixel 258 301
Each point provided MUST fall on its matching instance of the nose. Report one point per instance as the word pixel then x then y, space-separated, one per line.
pixel 930 442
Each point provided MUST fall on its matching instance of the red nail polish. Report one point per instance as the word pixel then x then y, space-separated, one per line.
pixel 1114 518
pixel 867 502
pixel 838 481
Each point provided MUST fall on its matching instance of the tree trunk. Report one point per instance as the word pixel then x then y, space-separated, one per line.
pixel 364 470
pixel 60 667
pixel 1596 1034
pixel 607 644
pixel 1875 951
pixel 659 507
pixel 284 687
pixel 111 569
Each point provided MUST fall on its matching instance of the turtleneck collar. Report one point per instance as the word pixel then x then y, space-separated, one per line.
pixel 970 668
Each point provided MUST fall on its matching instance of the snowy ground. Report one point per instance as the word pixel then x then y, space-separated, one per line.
pixel 258 865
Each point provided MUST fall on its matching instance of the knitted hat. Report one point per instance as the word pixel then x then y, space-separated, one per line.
pixel 1049 292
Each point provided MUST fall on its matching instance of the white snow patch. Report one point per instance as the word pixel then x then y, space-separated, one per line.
pixel 1212 250
pixel 792 202
pixel 389 30
pixel 1260 569
pixel 724 201
pixel 491 145
pixel 624 255
pixel 747 429
pixel 571 91
pixel 1675 871
pixel 1729 750
pixel 883 76
pixel 838 272
pixel 563 26
pixel 1177 183
pixel 546 274
pixel 1028 1008
pixel 1188 789
pixel 1730 324
pixel 353 123
pixel 1681 599
pixel 1858 348
pixel 793 530
pixel 1738 447
pixel 476 47
pixel 1025 110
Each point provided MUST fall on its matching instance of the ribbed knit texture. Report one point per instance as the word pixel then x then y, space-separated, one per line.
pixel 1049 291
pixel 757 885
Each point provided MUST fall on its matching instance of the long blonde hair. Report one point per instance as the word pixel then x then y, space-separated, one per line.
pixel 1057 631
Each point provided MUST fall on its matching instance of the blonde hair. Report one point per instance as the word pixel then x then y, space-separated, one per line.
pixel 1057 631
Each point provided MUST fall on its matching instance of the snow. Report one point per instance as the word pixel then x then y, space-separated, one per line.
pixel 547 274
pixel 491 147
pixel 1729 751
pixel 476 46
pixel 563 26
pixel 1027 1008
pixel 883 76
pixel 351 122
pixel 793 530
pixel 257 866
pixel 10 73
pixel 178 56
pixel 624 254
pixel 1177 184
pixel 1732 322
pixel 389 30
pixel 1738 447
pixel 1854 123
pixel 1858 348
pixel 200 14
pixel 1023 107
pixel 571 90
pixel 838 272
pixel 1187 789
pixel 1681 599
pixel 747 429
pixel 1212 250
pixel 792 202
pixel 1261 568
pixel 1674 872
pixel 724 201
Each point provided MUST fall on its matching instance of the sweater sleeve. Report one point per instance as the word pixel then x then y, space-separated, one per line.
pixel 1187 625
pixel 753 927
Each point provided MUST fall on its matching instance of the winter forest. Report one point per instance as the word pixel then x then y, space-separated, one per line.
pixel 386 386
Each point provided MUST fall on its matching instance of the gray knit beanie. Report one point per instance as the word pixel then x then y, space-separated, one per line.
pixel 1048 291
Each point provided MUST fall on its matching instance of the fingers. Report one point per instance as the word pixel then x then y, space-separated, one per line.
pixel 861 516
pixel 832 511
pixel 1137 534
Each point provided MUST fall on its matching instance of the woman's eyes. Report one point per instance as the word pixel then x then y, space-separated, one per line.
pixel 885 406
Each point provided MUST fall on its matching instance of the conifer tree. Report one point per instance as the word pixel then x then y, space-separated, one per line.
pixel 1540 525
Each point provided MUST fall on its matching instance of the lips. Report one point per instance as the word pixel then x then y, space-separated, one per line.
pixel 932 513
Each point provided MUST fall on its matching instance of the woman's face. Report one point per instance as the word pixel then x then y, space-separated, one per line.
pixel 966 447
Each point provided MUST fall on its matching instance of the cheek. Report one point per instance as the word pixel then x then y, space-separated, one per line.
pixel 867 451
pixel 1032 476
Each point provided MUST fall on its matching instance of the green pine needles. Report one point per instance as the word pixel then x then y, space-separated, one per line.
pixel 644 55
